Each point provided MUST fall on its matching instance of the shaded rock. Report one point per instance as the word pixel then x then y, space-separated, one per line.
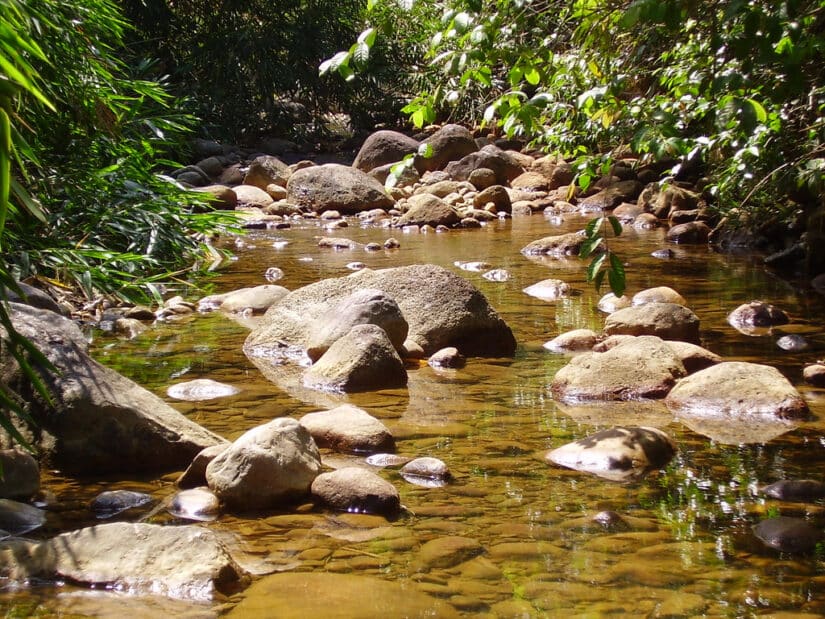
pixel 756 314
pixel 257 298
pixel 348 428
pixel 646 221
pixel 446 552
pixel 336 596
pixel 737 391
pixel 610 197
pixel 34 297
pixel 482 178
pixel 442 189
pixel 618 454
pixel 451 142
pixel 267 465
pixel 98 420
pixel 573 341
pixel 365 306
pixel 690 233
pixel 786 534
pixel 382 148
pixel 199 504
pixel 552 167
pixel 802 490
pixel 668 321
pixel 362 360
pixel 447 358
pixel 181 562
pixel 195 473
pixel 549 290
pixel 441 309
pixel 19 475
pixel 660 294
pixel 673 198
pixel 559 246
pixel 663 254
pixel 220 196
pixel 113 502
pixel 267 170
pixel 201 389
pixel 404 177
pixel 504 166
pixel 814 374
pixel 644 367
pixel 354 489
pixel 19 518
pixel 497 196
pixel 336 187
pixel 250 196
pixel 427 209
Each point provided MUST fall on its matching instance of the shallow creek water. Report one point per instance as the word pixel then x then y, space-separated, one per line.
pixel 688 550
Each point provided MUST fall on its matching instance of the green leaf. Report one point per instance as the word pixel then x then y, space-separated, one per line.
pixel 367 37
pixel 758 110
pixel 615 224
pixel 598 279
pixel 616 276
pixel 425 150
pixel 589 246
pixel 532 76
pixel 418 117
pixel 595 266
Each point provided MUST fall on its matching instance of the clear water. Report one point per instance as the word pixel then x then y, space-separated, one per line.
pixel 689 550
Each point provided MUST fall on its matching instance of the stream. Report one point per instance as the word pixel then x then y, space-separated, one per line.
pixel 687 549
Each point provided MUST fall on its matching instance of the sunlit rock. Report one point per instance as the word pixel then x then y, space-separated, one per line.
pixel 365 306
pixel 199 504
pixel 267 170
pixel 182 562
pixel 560 245
pixel 660 294
pixel 266 466
pixel 427 209
pixel 738 392
pixel 387 460
pixel 348 428
pixel 792 343
pixel 426 471
pixel 612 196
pixel 618 454
pixel 201 389
pixel 577 340
pixel 475 266
pixel 110 503
pixel 668 321
pixel 497 275
pixel 752 318
pixel 549 290
pixel 814 374
pixel 639 368
pixel 693 357
pixel 354 489
pixel 363 359
pixel 610 303
pixel 195 473
pixel 384 147
pixel 447 358
pixel 785 534
pixel 257 298
pixel 336 187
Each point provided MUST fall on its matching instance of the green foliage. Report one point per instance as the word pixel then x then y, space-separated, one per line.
pixel 604 262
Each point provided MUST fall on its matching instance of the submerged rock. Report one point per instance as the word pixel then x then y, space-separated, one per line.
pixel 802 490
pixel 617 454
pixel 200 504
pixel 785 534
pixel 756 314
pixel 113 502
pixel 549 290
pixel 426 471
pixel 201 389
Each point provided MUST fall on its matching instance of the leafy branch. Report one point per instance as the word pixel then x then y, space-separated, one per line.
pixel 604 261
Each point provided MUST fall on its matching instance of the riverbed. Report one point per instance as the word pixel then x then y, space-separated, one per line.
pixel 685 546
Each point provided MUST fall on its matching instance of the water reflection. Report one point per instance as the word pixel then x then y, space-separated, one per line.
pixel 687 547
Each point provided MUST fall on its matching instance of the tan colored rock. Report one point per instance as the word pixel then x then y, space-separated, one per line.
pixel 666 320
pixel 348 428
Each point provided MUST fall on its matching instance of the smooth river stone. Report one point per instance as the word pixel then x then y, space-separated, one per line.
pixel 802 490
pixel 112 502
pixel 201 389
pixel 198 504
pixel 336 596
pixel 387 460
pixel 20 518
pixel 785 534
pixel 445 552
pixel 548 290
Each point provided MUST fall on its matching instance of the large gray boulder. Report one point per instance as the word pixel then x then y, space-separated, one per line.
pixel 362 360
pixel 383 147
pixel 441 309
pixel 98 420
pixel 637 368
pixel 265 466
pixel 738 392
pixel 367 306
pixel 186 562
pixel 337 187
pixel 668 321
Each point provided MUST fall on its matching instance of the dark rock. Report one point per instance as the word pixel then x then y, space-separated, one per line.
pixel 382 148
pixel 112 502
pixel 785 534
pixel 451 142
pixel 802 490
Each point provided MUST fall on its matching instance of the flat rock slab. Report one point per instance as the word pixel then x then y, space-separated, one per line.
pixel 348 428
pixel 737 391
pixel 619 454
pixel 638 368
pixel 336 596
pixel 182 562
